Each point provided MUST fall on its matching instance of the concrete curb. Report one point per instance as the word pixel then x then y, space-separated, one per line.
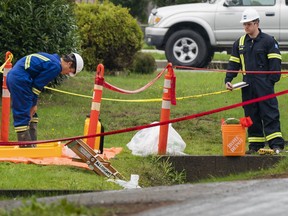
pixel 204 167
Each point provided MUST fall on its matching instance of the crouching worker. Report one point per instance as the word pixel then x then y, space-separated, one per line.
pixel 26 80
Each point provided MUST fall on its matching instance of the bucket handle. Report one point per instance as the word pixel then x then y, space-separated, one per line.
pixel 230 119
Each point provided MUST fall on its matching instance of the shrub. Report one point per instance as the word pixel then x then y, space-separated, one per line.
pixel 37 25
pixel 110 35
pixel 136 8
pixel 143 63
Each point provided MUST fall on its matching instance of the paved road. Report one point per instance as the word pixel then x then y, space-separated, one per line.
pixel 265 197
pixel 256 197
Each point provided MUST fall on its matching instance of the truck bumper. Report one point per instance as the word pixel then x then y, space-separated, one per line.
pixel 155 36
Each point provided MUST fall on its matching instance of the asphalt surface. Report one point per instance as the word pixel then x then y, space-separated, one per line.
pixel 253 197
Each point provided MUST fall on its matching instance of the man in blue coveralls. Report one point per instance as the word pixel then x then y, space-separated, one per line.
pixel 25 82
pixel 258 52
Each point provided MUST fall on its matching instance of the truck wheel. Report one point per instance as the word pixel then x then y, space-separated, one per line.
pixel 188 48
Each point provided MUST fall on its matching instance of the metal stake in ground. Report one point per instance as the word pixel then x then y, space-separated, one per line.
pixel 94 161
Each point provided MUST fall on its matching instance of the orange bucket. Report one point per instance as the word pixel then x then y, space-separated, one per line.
pixel 234 138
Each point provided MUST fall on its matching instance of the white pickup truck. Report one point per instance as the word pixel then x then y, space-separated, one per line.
pixel 191 33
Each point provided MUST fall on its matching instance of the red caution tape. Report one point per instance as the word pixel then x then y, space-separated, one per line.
pixel 123 91
pixel 99 80
pixel 173 89
pixel 266 97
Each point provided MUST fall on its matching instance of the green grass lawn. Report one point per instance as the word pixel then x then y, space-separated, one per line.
pixel 62 115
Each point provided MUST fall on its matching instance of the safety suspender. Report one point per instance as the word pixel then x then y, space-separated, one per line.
pixel 241 46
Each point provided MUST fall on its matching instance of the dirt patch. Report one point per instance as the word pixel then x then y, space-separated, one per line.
pixel 273 176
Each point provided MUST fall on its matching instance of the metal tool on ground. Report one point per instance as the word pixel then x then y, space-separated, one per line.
pixel 94 161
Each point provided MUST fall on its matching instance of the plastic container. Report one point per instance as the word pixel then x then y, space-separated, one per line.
pixel 233 138
pixel 99 141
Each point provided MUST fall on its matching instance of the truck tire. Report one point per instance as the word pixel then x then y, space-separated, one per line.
pixel 188 48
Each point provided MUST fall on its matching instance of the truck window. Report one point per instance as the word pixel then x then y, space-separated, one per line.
pixel 262 2
pixel 253 2
pixel 235 3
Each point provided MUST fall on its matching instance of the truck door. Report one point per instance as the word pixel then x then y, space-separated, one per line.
pixel 227 18
pixel 283 23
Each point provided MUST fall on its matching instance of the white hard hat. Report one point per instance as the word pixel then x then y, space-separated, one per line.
pixel 79 64
pixel 249 15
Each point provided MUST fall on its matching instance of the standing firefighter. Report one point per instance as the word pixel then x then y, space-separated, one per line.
pixel 26 80
pixel 258 52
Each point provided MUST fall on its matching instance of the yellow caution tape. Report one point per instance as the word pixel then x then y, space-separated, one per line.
pixel 140 100
pixel 9 59
pixel 202 95
pixel 65 92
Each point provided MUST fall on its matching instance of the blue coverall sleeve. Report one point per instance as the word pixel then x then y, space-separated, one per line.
pixel 275 59
pixel 42 70
pixel 234 63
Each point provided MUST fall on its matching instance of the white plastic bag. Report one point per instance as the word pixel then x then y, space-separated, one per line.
pixel 133 183
pixel 145 142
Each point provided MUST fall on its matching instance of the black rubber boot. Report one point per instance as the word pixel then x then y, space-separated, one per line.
pixel 277 143
pixel 33 131
pixel 24 136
